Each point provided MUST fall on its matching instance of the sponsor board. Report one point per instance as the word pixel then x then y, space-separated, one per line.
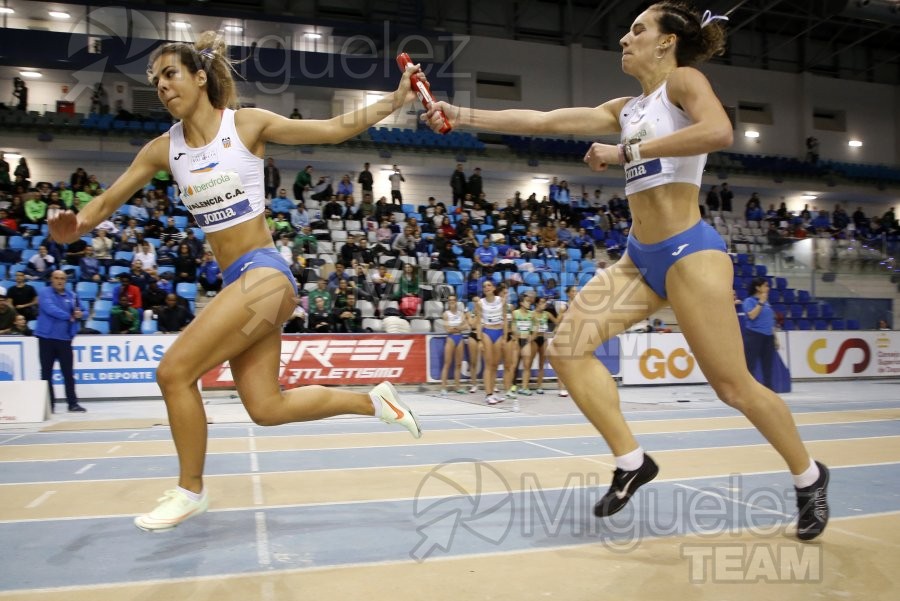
pixel 341 360
pixel 845 354
pixel 658 359
pixel 19 359
pixel 115 366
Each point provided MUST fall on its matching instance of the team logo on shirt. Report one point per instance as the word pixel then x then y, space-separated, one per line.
pixel 226 142
pixel 205 161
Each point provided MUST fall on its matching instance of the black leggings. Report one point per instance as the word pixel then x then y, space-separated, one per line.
pixel 50 351
pixel 760 347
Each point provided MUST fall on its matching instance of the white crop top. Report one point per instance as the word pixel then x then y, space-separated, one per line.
pixel 221 183
pixel 492 313
pixel 654 117
pixel 456 320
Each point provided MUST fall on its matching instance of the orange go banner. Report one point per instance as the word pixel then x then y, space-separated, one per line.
pixel 337 359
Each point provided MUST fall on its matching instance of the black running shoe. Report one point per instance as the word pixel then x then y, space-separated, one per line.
pixel 812 506
pixel 623 486
pixel 76 408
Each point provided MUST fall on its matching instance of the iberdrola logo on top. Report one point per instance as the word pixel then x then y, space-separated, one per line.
pixel 200 187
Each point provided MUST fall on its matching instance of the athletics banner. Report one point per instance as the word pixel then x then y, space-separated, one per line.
pixel 337 360
pixel 843 354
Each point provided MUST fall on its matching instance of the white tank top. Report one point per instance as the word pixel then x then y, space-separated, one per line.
pixel 492 313
pixel 221 183
pixel 455 320
pixel 654 117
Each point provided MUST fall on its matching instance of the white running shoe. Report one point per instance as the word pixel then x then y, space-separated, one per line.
pixel 473 388
pixel 174 508
pixel 395 411
pixel 563 393
pixel 493 399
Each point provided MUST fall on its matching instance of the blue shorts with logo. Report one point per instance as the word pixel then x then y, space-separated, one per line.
pixel 654 260
pixel 256 258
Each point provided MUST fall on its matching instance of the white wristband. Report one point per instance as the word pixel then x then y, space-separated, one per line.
pixel 635 152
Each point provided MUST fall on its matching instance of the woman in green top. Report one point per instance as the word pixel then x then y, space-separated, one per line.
pixel 542 320
pixel 408 284
pixel 520 347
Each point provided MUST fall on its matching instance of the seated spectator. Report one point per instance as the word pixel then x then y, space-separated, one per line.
pixel 154 297
pixel 348 318
pixel 486 256
pixel 7 313
pixel 171 231
pixel 336 276
pixel 124 319
pixel 319 320
pixel 145 254
pixel 209 275
pixel 194 243
pixel 394 323
pixel 583 242
pixel 321 290
pixel 185 265
pixel 173 316
pixel 89 267
pixel 305 243
pixel 382 283
pixel 41 265
pixel 138 211
pixel 23 297
pixel 282 204
pixel 297 322
pixel 20 327
pixel 103 247
pixel 128 287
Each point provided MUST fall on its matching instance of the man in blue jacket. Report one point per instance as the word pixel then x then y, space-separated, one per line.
pixel 59 314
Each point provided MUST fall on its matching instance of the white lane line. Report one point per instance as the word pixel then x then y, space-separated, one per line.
pixel 37 502
pixel 256 483
pixel 255 479
pixel 133 435
pixel 85 468
pixel 262 539
pixel 12 438
pixel 114 449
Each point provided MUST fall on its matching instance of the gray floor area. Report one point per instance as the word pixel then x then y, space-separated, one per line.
pixel 225 407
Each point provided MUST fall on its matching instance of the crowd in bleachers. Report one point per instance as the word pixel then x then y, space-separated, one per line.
pixel 359 261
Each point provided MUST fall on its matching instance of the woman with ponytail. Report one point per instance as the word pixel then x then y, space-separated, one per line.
pixel 672 257
pixel 216 153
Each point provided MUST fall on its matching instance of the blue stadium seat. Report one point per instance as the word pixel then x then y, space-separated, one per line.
pixel 852 324
pixel 103 309
pixel 100 326
pixel 87 290
pixel 186 290
pixel 838 324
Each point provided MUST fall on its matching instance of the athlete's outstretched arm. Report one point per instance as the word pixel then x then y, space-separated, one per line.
pixel 67 226
pixel 593 121
pixel 270 127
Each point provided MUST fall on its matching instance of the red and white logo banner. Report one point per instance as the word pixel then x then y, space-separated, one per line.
pixel 341 360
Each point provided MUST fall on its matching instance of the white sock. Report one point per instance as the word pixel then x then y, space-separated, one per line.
pixel 631 461
pixel 193 496
pixel 808 477
pixel 376 402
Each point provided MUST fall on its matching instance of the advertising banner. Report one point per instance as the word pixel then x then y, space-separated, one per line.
pixel 658 359
pixel 336 359
pixel 872 354
pixel 114 366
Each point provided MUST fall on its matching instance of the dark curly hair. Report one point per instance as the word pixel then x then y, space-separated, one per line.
pixel 695 44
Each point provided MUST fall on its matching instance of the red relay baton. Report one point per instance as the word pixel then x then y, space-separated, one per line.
pixel 422 90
